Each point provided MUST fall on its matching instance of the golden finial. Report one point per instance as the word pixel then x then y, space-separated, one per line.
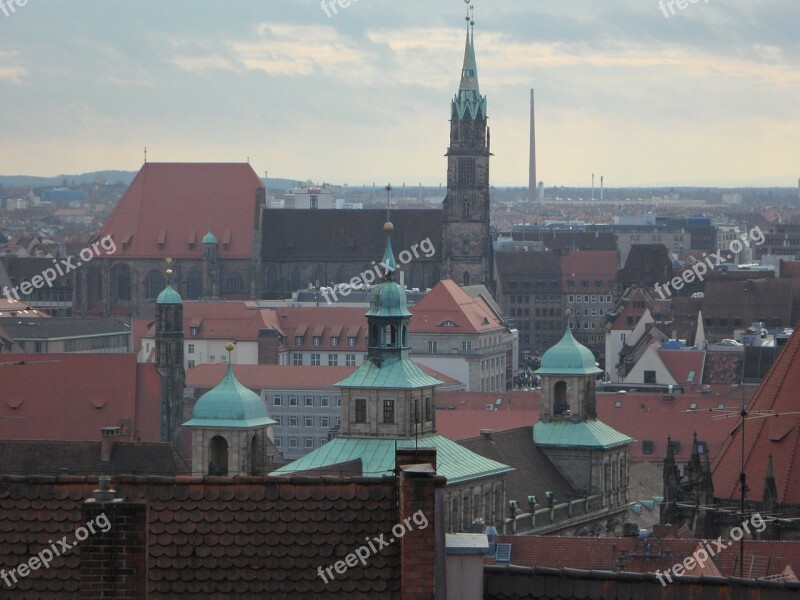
pixel 388 227
pixel 229 347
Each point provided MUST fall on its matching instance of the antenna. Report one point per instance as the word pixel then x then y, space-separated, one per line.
pixel 145 154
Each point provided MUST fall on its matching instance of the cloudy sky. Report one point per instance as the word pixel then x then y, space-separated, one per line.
pixel 709 95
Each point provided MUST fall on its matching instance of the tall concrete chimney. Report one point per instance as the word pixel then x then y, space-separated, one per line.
pixel 532 166
pixel 592 186
pixel 601 187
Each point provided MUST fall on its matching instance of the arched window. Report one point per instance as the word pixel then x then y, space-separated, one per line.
pixel 295 278
pixel 405 336
pixel 218 456
pixel 272 279
pixel 154 283
pixel 465 209
pixel 122 281
pixel 256 455
pixel 560 404
pixel 234 282
pixel 194 285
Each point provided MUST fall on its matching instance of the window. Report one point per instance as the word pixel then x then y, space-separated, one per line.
pixel 292 400
pixel 316 340
pixel 278 442
pixel 323 401
pixel 584 285
pixel 448 324
pixel 333 360
pixel 338 400
pixel 309 442
pixel 351 341
pixel 428 409
pixel 276 401
pixel 297 359
pixel 649 376
pixel 334 341
pixel 361 410
pixel 191 349
pixel 466 347
pixel 324 422
pixel 388 411
pixel 194 330
pixel 350 360
pixel 338 421
pixel 293 442
pixel 212 357
pixel 308 421
pixel 278 421
pixel 315 360
pixel 190 364
pixel 292 421
pixel 309 400
pixel 570 285
pixel 598 284
pixel 432 347
pixel 298 340
pixel 690 377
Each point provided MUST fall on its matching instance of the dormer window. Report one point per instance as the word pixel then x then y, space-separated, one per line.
pixel 448 324
pixel 194 330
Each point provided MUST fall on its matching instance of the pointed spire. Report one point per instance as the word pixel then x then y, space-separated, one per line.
pixel 388 263
pixel 469 71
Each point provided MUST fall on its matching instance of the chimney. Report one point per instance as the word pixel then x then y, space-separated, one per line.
pixel 108 436
pixel 420 503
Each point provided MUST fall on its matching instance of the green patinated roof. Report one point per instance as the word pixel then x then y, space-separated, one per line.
pixel 388 299
pixel 230 404
pixel 588 434
pixel 469 95
pixel 568 357
pixel 395 373
pixel 209 238
pixel 377 457
pixel 169 296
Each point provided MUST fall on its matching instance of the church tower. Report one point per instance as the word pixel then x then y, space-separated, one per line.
pixel 169 363
pixel 467 240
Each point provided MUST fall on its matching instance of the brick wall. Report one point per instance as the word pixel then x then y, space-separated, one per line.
pixel 114 562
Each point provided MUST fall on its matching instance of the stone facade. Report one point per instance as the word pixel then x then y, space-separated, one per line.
pixel 246 451
pixel 169 363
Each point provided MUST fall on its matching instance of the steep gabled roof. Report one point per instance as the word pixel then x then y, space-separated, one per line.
pixel 174 203
pixel 778 435
pixel 448 303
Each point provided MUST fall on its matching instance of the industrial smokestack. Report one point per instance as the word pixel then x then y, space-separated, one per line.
pixel 601 187
pixel 532 166
pixel 592 186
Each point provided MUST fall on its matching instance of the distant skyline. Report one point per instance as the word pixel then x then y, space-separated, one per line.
pixel 709 95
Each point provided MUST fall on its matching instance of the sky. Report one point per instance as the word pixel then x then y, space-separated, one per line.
pixel 709 95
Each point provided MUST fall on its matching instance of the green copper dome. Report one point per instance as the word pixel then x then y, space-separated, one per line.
pixel 209 238
pixel 388 299
pixel 231 405
pixel 169 296
pixel 568 357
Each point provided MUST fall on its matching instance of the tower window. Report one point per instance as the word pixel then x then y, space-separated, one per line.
pixel 465 209
pixel 560 404
pixel 465 168
pixel 361 410
pixel 388 411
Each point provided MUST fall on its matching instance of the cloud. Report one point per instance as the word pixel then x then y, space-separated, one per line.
pixel 304 50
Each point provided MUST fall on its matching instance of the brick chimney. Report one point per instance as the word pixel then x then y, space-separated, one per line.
pixel 114 557
pixel 108 435
pixel 418 487
pixel 269 343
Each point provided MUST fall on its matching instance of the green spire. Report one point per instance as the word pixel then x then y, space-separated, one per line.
pixel 389 263
pixel 568 357
pixel 469 99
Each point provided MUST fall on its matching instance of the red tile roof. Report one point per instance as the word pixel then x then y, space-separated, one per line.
pixel 177 201
pixel 777 435
pixel 462 424
pixel 595 264
pixel 227 320
pixel 448 302
pixel 71 396
pixel 681 364
pixel 323 321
